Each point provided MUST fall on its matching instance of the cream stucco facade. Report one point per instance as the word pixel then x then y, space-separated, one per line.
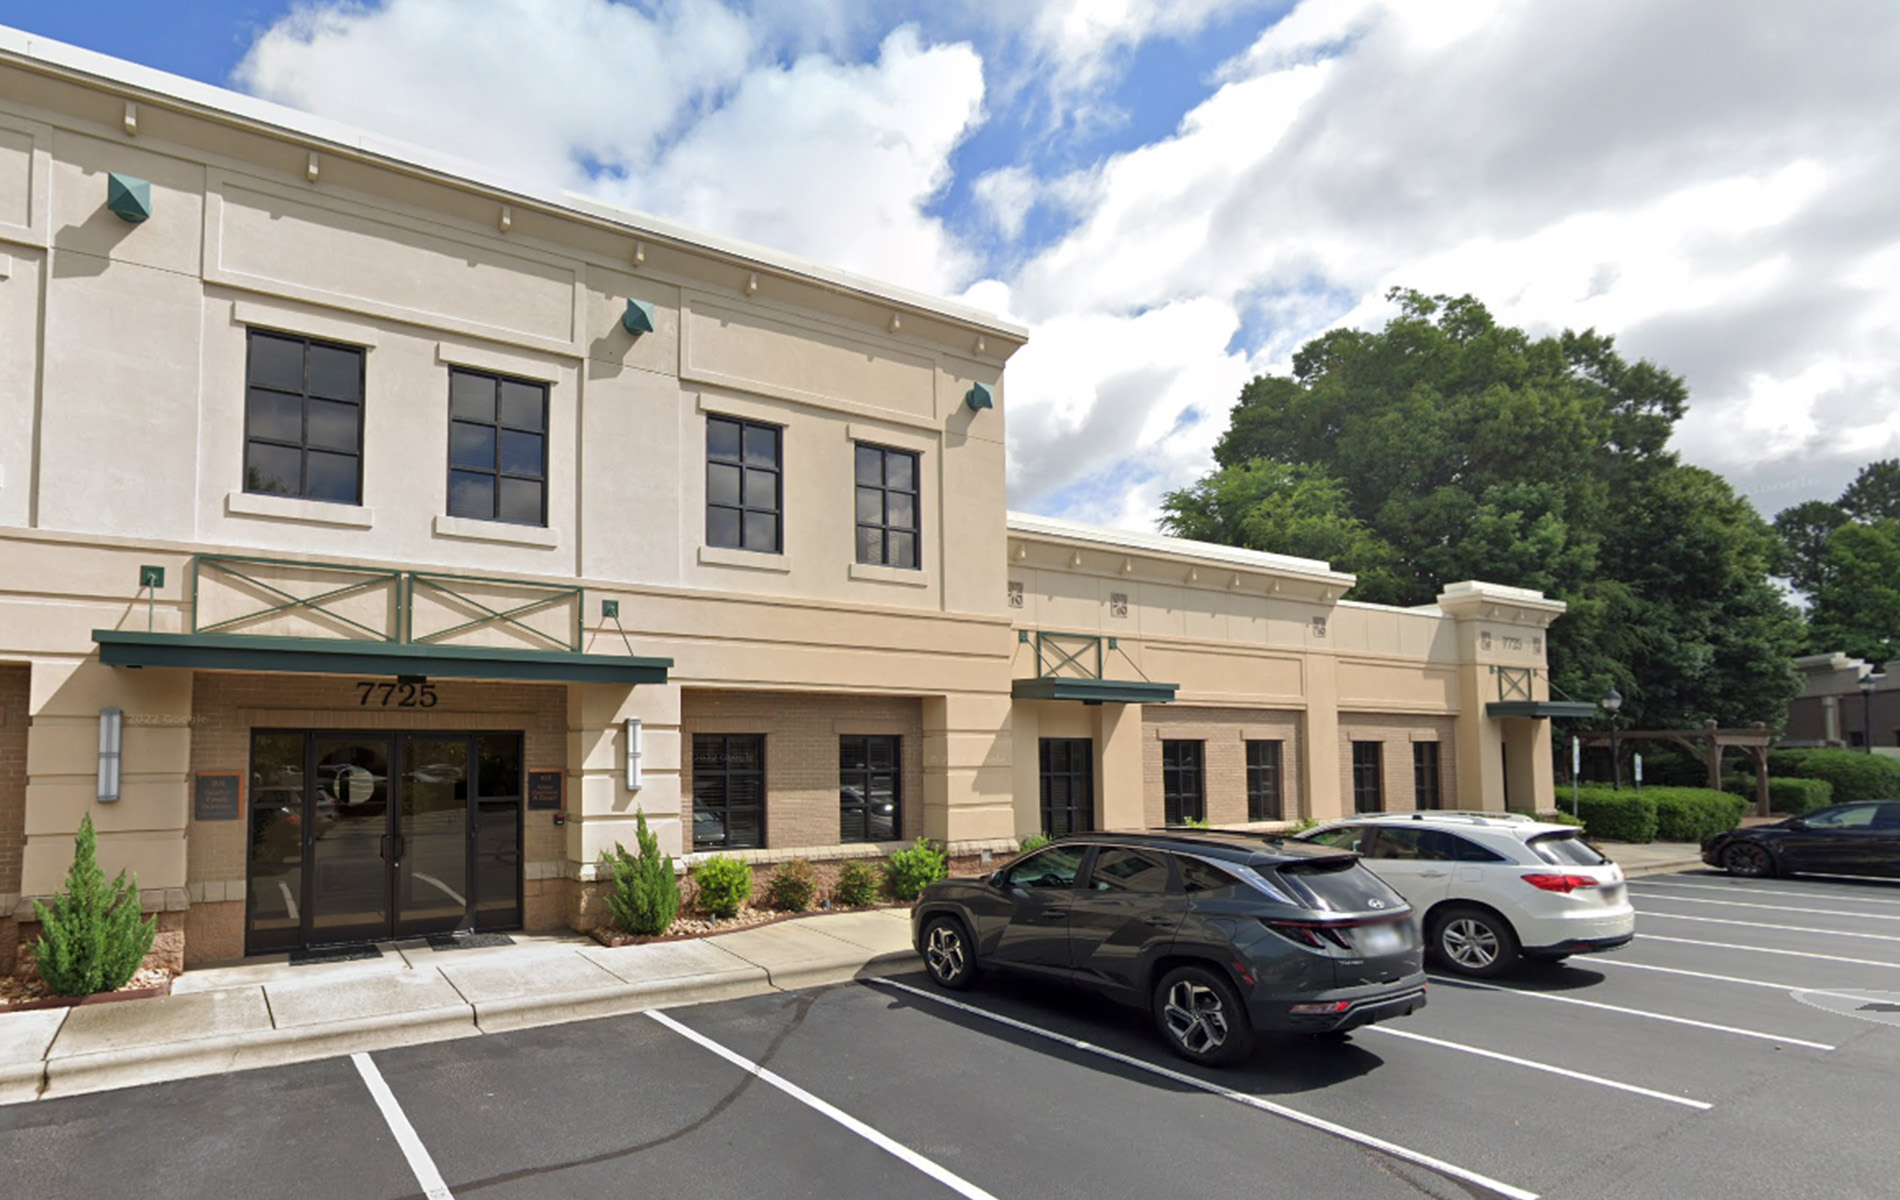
pixel 497 672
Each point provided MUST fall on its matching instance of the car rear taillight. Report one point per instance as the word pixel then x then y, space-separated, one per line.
pixel 1309 933
pixel 1560 883
pixel 1329 1006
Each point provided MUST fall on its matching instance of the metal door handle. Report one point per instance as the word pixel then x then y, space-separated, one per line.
pixel 1055 912
pixel 1158 922
pixel 1431 874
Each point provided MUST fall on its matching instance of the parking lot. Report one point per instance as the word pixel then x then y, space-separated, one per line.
pixel 1742 1046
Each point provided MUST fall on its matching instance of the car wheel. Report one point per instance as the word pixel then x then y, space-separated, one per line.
pixel 1473 942
pixel 1747 860
pixel 1201 1017
pixel 948 954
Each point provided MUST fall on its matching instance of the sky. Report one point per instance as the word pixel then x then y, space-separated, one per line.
pixel 1174 195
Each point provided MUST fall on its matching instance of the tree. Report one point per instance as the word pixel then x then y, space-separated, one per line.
pixel 1804 531
pixel 93 938
pixel 1856 608
pixel 1445 447
pixel 1875 492
pixel 646 894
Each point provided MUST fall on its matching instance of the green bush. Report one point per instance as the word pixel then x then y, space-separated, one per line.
pixel 1560 817
pixel 1621 816
pixel 1855 774
pixel 909 871
pixel 1798 796
pixel 1034 841
pixel 857 884
pixel 646 894
pixel 1304 824
pixel 793 886
pixel 1686 814
pixel 92 939
pixel 725 884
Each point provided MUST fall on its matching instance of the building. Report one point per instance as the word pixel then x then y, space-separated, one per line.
pixel 378 538
pixel 1844 701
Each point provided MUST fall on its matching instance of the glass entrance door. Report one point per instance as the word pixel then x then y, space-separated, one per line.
pixel 349 844
pixel 432 864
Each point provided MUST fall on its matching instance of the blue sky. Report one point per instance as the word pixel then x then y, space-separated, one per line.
pixel 1175 194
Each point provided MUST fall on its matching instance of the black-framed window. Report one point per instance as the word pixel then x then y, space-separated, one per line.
pixel 869 788
pixel 1183 796
pixel 498 448
pixel 1368 777
pixel 1265 797
pixel 887 502
pixel 744 484
pixel 1427 793
pixel 728 791
pixel 303 418
pixel 1068 786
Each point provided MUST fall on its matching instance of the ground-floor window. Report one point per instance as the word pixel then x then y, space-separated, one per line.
pixel 728 791
pixel 1265 801
pixel 1183 792
pixel 1068 785
pixel 1425 785
pixel 1368 777
pixel 868 789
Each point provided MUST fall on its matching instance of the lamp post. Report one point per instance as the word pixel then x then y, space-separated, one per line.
pixel 1868 683
pixel 1611 702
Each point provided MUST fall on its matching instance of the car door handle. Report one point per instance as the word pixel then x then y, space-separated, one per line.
pixel 1432 874
pixel 1056 913
pixel 1158 922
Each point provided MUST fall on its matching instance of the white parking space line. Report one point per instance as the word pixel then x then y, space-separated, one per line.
pixel 1783 908
pixel 1534 1065
pixel 433 1188
pixel 1858 962
pixel 941 1174
pixel 1846 933
pixel 1761 983
pixel 1267 1106
pixel 1749 889
pixel 1635 1012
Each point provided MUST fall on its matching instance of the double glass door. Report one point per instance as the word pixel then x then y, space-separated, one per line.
pixel 364 836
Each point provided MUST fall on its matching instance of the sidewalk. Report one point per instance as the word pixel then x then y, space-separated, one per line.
pixel 266 1014
pixel 1653 858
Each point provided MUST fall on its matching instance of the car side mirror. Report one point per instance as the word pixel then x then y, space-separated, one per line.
pixel 1797 823
pixel 996 880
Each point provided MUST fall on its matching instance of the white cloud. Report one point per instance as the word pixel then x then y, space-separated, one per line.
pixel 1006 195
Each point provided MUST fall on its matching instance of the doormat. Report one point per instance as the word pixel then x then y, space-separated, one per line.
pixel 332 954
pixel 467 941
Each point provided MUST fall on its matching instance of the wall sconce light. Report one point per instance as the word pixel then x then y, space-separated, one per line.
pixel 638 318
pixel 128 198
pixel 980 397
pixel 634 752
pixel 610 610
pixel 111 753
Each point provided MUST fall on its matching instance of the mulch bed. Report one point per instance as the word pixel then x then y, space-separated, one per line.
pixel 686 929
pixel 22 995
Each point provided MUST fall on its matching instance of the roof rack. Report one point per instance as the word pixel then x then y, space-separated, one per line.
pixel 1472 815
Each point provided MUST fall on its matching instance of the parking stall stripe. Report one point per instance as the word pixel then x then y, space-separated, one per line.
pixel 1858 962
pixel 1534 1065
pixel 1749 889
pixel 1635 1012
pixel 433 1188
pixel 1279 1110
pixel 1761 983
pixel 1818 912
pixel 941 1174
pixel 1846 933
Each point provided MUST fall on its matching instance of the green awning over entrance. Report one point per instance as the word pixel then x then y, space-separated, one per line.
pixel 328 656
pixel 1540 708
pixel 1094 691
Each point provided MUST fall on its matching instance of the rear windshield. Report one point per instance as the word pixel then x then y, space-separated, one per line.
pixel 1341 885
pixel 1566 850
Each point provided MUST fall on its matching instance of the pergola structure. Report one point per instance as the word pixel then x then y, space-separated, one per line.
pixel 1708 743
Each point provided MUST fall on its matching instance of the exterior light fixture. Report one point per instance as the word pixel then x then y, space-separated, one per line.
pixel 1868 684
pixel 979 397
pixel 111 753
pixel 638 318
pixel 128 198
pixel 1613 701
pixel 634 753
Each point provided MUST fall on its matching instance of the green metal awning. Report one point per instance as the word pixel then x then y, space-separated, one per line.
pixel 338 656
pixel 1094 691
pixel 1539 709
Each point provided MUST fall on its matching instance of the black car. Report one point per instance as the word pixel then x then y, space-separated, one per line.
pixel 1846 839
pixel 1217 934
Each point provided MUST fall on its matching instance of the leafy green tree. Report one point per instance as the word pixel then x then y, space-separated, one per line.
pixel 1804 531
pixel 1856 608
pixel 93 938
pixel 1875 492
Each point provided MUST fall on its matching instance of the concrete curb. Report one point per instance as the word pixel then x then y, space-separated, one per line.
pixel 1663 868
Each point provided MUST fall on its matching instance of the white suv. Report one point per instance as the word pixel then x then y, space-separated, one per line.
pixel 1490 888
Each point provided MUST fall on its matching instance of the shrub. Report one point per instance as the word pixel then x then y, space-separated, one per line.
pixel 93 938
pixel 1855 774
pixel 909 871
pixel 793 886
pixel 646 894
pixel 1686 814
pixel 1034 841
pixel 1621 816
pixel 857 884
pixel 1798 796
pixel 725 884
pixel 1560 817
pixel 1195 822
pixel 1304 824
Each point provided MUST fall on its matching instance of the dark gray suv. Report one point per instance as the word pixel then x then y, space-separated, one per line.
pixel 1216 934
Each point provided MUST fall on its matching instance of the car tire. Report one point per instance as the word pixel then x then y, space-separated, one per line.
pixel 1747 860
pixel 1473 942
pixel 1201 1017
pixel 949 954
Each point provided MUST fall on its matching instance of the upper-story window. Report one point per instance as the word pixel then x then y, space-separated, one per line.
pixel 498 448
pixel 303 418
pixel 887 507
pixel 744 484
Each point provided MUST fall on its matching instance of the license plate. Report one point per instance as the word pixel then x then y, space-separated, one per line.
pixel 1612 893
pixel 1382 939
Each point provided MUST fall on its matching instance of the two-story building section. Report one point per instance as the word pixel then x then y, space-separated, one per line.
pixel 378 537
